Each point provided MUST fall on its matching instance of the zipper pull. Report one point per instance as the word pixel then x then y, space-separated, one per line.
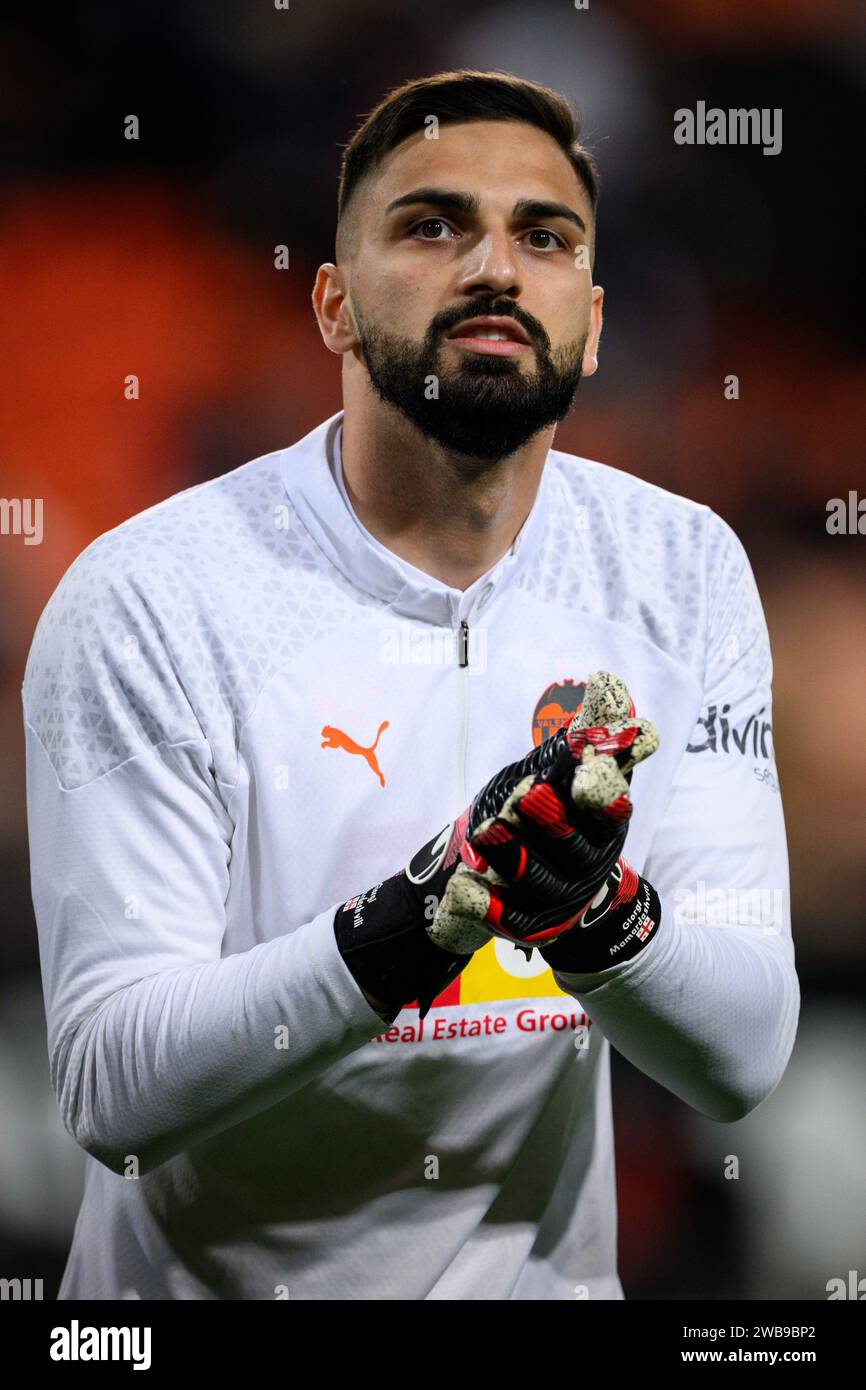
pixel 463 659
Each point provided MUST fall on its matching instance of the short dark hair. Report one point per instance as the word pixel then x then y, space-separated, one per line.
pixel 462 95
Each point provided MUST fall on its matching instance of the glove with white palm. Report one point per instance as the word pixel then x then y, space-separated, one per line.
pixel 385 934
pixel 543 868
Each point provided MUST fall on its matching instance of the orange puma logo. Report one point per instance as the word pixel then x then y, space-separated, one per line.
pixel 335 738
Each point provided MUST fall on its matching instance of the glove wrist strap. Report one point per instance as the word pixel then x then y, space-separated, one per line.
pixel 613 929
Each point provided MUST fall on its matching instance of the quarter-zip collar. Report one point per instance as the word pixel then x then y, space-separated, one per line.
pixel 313 478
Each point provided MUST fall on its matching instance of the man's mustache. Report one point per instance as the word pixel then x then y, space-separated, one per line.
pixel 534 331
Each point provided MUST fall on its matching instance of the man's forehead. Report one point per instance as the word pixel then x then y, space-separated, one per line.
pixel 491 159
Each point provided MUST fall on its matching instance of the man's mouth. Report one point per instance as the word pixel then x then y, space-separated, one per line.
pixel 500 336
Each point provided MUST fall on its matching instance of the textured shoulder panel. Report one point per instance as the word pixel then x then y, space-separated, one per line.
pixel 167 627
pixel 738 644
pixel 627 550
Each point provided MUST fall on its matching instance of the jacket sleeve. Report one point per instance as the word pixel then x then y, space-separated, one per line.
pixel 156 1040
pixel 709 1008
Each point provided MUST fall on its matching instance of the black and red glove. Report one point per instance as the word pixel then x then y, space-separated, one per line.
pixel 544 869
pixel 383 932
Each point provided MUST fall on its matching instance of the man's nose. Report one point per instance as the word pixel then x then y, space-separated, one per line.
pixel 491 265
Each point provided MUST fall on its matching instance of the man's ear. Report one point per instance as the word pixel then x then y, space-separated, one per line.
pixel 332 309
pixel 590 350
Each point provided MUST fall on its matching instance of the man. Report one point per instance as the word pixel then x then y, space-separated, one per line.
pixel 248 707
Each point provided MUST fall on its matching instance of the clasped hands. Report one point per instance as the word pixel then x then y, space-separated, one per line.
pixel 535 859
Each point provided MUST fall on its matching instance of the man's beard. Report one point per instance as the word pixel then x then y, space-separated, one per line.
pixel 484 406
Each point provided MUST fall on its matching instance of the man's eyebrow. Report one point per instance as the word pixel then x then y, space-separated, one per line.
pixel 467 203
pixel 442 197
pixel 544 211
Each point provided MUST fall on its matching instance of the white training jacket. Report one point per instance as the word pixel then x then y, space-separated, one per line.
pixel 241 709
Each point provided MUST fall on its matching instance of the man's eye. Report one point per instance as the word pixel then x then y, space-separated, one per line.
pixel 545 231
pixel 430 222
pixel 431 229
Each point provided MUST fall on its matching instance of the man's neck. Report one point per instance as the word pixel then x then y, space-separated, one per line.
pixel 450 516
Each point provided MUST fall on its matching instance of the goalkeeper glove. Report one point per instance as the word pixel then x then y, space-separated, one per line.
pixel 548 858
pixel 382 933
